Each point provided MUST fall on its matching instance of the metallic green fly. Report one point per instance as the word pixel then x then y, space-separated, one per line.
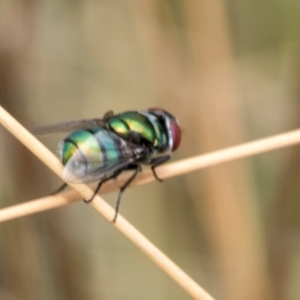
pixel 101 149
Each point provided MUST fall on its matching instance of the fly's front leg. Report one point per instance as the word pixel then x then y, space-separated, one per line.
pixel 155 162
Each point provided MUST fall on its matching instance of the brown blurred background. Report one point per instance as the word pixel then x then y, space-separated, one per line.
pixel 229 71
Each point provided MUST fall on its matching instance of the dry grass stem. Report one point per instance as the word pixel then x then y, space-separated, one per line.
pixel 180 277
pixel 166 171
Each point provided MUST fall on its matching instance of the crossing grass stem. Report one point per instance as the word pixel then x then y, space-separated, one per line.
pixel 169 170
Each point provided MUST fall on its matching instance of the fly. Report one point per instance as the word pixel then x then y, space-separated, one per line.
pixel 101 149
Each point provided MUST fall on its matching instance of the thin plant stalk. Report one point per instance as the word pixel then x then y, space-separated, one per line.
pixel 172 169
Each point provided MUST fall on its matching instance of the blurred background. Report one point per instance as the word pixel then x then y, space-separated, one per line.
pixel 229 70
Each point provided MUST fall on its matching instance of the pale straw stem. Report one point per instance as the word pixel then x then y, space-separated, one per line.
pixel 166 171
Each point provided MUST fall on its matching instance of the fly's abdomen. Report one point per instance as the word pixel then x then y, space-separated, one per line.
pixel 89 155
pixel 146 126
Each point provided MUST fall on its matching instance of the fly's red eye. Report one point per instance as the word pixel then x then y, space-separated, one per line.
pixel 176 134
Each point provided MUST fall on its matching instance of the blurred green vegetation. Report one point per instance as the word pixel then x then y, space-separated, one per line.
pixel 229 71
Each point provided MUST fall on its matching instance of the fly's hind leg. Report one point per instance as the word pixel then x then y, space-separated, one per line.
pixel 96 190
pixel 95 193
pixel 86 201
pixel 155 162
pixel 137 169
pixel 61 188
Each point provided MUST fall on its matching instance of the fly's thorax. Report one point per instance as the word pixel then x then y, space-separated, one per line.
pixel 140 128
pixel 127 123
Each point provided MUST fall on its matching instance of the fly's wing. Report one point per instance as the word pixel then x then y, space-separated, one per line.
pixel 108 170
pixel 68 126
pixel 108 115
pixel 91 156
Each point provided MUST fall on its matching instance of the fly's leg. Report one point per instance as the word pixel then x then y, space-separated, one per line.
pixel 95 192
pixel 61 188
pixel 123 188
pixel 157 162
pixel 99 186
pixel 86 201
